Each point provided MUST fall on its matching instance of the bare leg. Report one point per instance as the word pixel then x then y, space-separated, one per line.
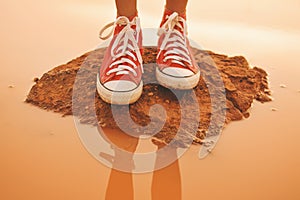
pixel 126 8
pixel 176 5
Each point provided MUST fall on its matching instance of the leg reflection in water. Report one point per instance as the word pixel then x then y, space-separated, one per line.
pixel 120 184
pixel 166 182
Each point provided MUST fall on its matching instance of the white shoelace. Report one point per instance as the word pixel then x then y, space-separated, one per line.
pixel 175 43
pixel 127 37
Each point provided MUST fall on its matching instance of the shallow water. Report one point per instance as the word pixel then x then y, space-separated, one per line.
pixel 42 156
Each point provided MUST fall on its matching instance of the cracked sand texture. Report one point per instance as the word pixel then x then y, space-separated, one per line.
pixel 243 84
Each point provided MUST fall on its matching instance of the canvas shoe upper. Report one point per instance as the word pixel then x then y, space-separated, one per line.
pixel 176 65
pixel 122 66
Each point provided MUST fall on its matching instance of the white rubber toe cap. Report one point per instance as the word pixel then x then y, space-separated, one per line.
pixel 120 85
pixel 178 72
pixel 178 82
pixel 127 93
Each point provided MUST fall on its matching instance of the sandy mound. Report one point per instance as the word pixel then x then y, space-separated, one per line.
pixel 243 84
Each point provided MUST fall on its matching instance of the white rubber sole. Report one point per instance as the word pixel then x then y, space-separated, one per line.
pixel 119 98
pixel 178 83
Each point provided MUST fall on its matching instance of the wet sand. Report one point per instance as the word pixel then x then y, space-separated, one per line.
pixel 42 156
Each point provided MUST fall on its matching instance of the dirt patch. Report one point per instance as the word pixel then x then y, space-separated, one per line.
pixel 242 85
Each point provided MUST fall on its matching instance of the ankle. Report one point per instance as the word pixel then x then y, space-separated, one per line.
pixel 169 11
pixel 129 14
pixel 170 8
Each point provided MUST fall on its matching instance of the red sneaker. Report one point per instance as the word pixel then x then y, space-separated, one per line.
pixel 177 68
pixel 119 78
